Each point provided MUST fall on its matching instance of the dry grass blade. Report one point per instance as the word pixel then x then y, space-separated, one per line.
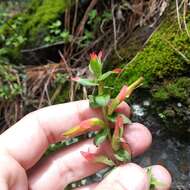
pixel 185 7
pixel 69 71
pixel 80 28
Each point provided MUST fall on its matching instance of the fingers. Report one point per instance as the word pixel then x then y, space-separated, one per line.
pixel 138 137
pixel 163 176
pixel 39 129
pixel 8 180
pixel 89 187
pixel 126 177
pixel 68 165
pixel 132 177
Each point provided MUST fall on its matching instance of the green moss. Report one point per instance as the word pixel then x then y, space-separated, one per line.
pixel 45 12
pixel 28 29
pixel 10 86
pixel 166 55
pixel 33 22
pixel 178 89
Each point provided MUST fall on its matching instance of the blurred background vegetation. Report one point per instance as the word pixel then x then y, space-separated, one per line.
pixel 43 43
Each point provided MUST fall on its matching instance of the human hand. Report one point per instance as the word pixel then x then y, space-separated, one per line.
pixel 22 146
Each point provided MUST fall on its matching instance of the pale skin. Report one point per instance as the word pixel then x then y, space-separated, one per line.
pixel 22 146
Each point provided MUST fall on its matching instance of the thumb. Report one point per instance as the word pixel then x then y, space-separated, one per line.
pixel 125 177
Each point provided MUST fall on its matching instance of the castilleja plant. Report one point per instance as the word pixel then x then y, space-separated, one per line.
pixel 111 127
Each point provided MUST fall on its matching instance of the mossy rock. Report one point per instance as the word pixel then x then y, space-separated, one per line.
pixel 178 89
pixel 164 62
pixel 166 55
pixel 172 103
pixel 28 29
pixel 44 13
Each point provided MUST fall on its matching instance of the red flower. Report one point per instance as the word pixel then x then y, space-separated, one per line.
pixel 122 94
pixel 93 56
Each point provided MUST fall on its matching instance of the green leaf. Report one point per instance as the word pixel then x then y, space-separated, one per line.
pixel 99 101
pixel 86 82
pixel 115 143
pixel 92 102
pixel 102 100
pixel 122 155
pixel 112 106
pixel 152 180
pixel 105 75
pixel 112 118
pixel 104 160
pixel 96 68
pixel 101 137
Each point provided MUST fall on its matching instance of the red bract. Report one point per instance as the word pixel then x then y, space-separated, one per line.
pixel 122 94
pixel 125 145
pixel 93 56
pixel 79 129
pixel 118 125
pixel 92 124
pixel 117 70
pixel 75 78
pixel 100 54
pixel 88 156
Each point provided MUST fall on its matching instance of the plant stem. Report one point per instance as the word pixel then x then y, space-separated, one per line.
pixel 104 110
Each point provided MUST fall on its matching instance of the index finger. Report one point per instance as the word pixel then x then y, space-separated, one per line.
pixel 28 139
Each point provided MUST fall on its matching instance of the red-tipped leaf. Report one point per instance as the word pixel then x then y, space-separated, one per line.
pixel 122 94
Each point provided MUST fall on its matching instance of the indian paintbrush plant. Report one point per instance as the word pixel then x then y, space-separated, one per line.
pixel 111 127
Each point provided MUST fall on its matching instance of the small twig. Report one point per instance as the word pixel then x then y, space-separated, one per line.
pixel 47 95
pixel 178 15
pixel 56 93
pixel 45 88
pixel 68 69
pixel 115 29
pixel 177 51
pixel 80 28
pixel 75 16
pixel 184 17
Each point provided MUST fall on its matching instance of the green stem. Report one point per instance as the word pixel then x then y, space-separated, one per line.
pixel 104 111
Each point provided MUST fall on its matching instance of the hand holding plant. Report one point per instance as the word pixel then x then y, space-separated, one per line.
pixel 111 127
pixel 115 135
pixel 46 126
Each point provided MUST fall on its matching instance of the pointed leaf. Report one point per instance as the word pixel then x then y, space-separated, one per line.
pixel 95 65
pixel 112 118
pixel 102 100
pixel 88 155
pixel 104 160
pixel 92 102
pixel 122 94
pixel 101 137
pixel 126 120
pixel 105 75
pixel 116 134
pixel 112 106
pixel 85 82
pixel 122 156
pixel 99 101
pixel 93 124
